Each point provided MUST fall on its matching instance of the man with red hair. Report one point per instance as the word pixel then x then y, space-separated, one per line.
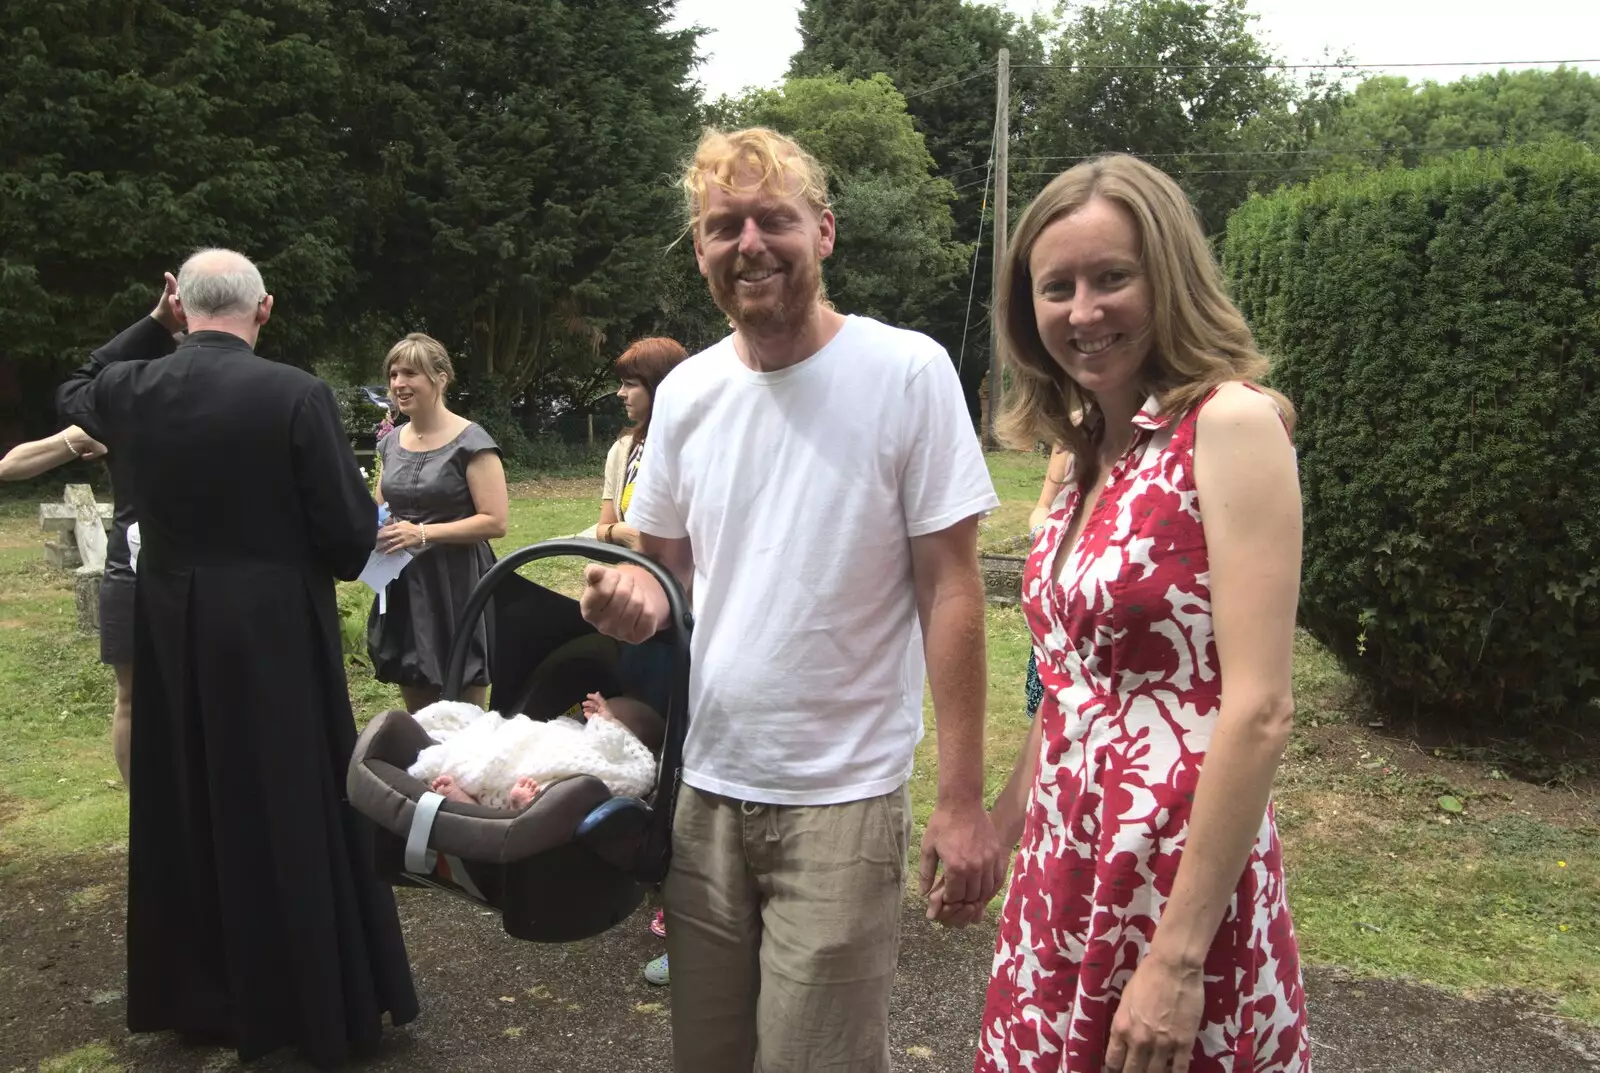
pixel 817 477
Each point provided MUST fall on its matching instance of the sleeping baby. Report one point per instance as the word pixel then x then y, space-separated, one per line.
pixel 482 758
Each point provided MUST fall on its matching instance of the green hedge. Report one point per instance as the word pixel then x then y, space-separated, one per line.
pixel 1438 329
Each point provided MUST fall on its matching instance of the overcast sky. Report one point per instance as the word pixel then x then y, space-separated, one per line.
pixel 751 40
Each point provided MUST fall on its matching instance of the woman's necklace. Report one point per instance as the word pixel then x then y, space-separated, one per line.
pixel 419 435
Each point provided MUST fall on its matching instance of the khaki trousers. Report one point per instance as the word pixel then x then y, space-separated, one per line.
pixel 783 929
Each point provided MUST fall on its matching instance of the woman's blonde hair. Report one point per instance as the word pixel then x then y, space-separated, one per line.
pixel 1198 338
pixel 423 353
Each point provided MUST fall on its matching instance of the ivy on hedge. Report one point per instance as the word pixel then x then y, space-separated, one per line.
pixel 1439 331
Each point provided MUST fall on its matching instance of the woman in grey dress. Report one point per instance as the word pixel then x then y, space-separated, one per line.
pixel 445 490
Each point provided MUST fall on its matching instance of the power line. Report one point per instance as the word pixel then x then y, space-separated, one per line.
pixel 1267 169
pixel 1210 171
pixel 1264 173
pixel 1264 170
pixel 974 167
pixel 989 68
pixel 1276 174
pixel 1248 171
pixel 972 284
pixel 953 82
pixel 1247 153
pixel 1283 66
pixel 1267 172
pixel 1283 152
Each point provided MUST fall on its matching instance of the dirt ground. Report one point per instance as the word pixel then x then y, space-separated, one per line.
pixel 491 1003
pixel 1348 748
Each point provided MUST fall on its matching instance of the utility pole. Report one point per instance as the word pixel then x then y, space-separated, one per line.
pixel 1002 233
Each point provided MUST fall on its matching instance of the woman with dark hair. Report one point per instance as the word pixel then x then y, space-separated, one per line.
pixel 1146 927
pixel 641 368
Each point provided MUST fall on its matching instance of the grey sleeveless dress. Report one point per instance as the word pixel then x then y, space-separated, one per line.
pixel 409 644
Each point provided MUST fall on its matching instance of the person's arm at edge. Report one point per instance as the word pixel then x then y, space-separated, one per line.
pixel 28 460
pixel 1054 477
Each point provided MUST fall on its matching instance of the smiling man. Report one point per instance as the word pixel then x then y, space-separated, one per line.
pixel 817 478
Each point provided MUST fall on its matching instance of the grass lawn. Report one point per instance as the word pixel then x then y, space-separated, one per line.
pixel 1382 880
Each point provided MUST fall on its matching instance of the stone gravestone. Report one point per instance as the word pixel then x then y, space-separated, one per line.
pixel 78 543
pixel 1002 567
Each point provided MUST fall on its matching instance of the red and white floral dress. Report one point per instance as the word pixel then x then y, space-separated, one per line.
pixel 1132 692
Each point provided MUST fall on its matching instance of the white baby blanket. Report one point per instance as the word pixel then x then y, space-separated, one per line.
pixel 487 754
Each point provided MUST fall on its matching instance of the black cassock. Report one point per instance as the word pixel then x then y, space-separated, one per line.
pixel 253 910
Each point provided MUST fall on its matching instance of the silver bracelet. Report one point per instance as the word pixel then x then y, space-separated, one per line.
pixel 422 527
pixel 70 448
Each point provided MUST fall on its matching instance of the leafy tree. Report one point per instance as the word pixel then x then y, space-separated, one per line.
pixel 1179 82
pixel 523 151
pixel 1388 120
pixel 941 53
pixel 496 172
pixel 131 134
pixel 684 309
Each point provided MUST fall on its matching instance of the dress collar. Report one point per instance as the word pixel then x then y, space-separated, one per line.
pixel 1149 417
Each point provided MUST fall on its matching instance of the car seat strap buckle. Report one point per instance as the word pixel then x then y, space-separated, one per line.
pixel 419 858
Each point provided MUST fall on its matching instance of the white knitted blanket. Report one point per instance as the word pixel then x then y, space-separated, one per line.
pixel 487 754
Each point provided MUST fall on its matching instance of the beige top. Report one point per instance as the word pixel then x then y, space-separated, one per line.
pixel 616 469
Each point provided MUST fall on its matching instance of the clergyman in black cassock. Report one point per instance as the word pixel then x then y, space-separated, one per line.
pixel 254 913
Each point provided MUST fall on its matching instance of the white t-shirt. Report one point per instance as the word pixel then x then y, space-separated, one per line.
pixel 800 491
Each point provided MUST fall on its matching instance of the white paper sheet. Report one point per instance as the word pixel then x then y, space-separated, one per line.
pixel 381 569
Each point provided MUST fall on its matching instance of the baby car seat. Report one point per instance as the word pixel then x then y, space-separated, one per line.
pixel 578 860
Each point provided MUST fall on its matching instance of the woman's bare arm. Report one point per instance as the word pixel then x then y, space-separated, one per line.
pixel 1054 477
pixel 1249 493
pixel 27 460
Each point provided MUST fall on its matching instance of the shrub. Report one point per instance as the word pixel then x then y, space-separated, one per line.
pixel 1438 329
pixel 357 416
pixel 546 457
pixel 355 603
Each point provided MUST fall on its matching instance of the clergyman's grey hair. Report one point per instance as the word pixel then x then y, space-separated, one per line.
pixel 219 283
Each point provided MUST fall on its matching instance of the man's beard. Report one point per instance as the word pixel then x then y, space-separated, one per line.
pixel 801 285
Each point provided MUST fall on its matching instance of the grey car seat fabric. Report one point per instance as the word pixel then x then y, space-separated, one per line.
pixel 381 790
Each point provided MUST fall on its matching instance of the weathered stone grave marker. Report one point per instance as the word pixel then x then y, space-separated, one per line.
pixel 77 542
pixel 1002 567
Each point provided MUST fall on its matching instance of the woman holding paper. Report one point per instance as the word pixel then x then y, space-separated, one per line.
pixel 445 491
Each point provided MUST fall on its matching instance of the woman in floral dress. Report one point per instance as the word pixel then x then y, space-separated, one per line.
pixel 1146 927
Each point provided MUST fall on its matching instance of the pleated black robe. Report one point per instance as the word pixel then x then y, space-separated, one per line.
pixel 253 910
